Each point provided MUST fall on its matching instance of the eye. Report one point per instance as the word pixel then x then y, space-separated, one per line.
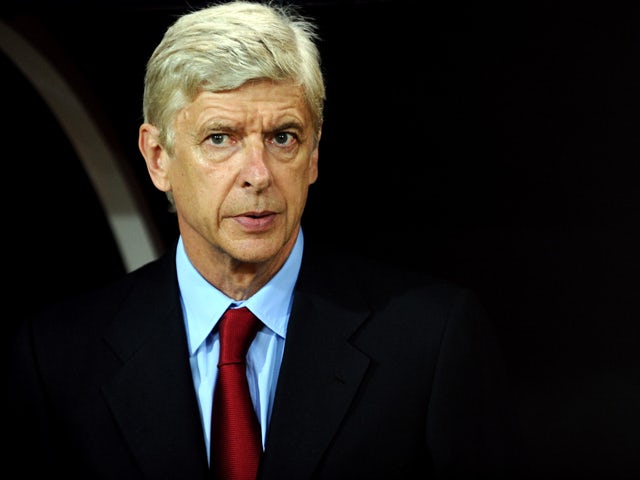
pixel 219 138
pixel 284 139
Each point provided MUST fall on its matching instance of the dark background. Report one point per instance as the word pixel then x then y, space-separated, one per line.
pixel 495 145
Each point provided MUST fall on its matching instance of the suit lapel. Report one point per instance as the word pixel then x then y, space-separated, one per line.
pixel 152 395
pixel 320 374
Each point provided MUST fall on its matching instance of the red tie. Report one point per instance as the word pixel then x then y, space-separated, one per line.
pixel 236 443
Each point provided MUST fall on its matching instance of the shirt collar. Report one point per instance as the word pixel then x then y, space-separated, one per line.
pixel 203 304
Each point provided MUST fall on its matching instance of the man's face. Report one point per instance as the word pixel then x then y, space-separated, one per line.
pixel 241 170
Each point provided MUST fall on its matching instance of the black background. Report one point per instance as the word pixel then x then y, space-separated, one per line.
pixel 494 144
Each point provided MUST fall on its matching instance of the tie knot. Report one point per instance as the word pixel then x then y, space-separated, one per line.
pixel 238 327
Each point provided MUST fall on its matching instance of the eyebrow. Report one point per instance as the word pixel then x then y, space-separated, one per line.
pixel 233 127
pixel 220 125
pixel 290 125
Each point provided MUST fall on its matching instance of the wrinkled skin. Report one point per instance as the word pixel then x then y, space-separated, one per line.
pixel 240 174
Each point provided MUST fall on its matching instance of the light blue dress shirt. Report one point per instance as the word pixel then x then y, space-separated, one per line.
pixel 203 305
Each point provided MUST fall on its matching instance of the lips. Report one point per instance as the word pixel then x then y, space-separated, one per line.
pixel 256 221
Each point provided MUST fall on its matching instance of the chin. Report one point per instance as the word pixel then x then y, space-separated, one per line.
pixel 256 252
pixel 272 248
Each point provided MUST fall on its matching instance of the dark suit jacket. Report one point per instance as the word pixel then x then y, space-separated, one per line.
pixel 385 375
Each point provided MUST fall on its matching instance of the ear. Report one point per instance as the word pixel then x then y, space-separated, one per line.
pixel 155 156
pixel 313 165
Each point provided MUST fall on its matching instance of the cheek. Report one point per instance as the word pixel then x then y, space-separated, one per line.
pixel 217 192
pixel 188 188
pixel 197 178
pixel 295 182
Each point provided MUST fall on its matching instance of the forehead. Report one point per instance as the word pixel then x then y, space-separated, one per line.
pixel 260 102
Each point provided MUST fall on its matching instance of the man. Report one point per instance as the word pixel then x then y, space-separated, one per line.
pixel 357 371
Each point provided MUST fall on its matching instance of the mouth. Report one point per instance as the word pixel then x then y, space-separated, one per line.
pixel 256 221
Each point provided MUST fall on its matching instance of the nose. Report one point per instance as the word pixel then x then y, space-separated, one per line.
pixel 255 171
